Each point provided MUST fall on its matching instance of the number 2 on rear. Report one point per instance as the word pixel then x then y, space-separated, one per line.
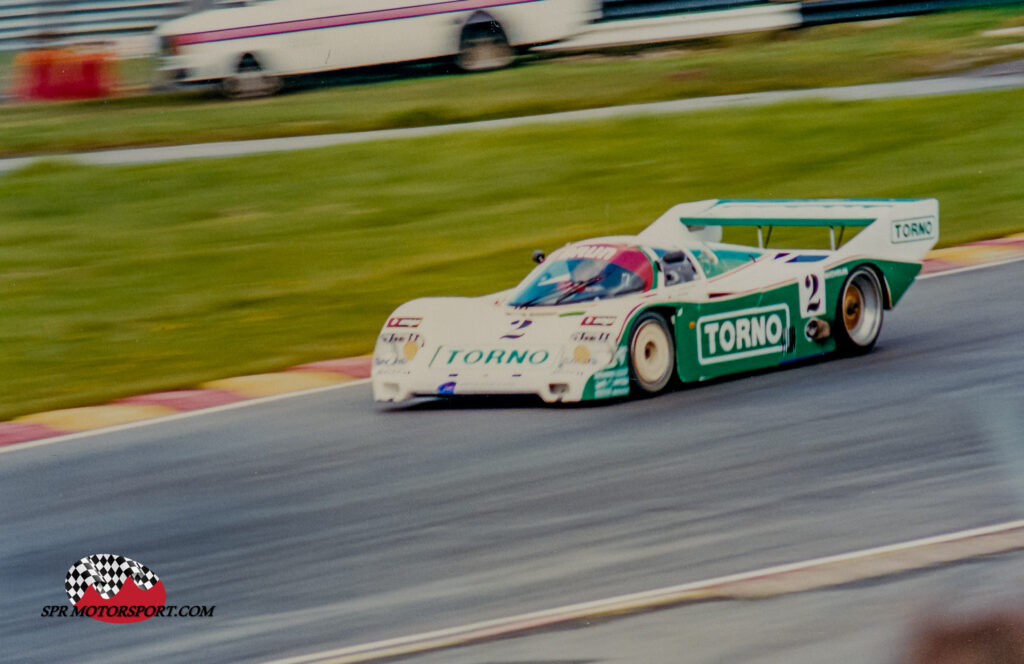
pixel 812 295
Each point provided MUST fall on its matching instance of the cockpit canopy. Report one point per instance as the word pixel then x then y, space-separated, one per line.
pixel 582 272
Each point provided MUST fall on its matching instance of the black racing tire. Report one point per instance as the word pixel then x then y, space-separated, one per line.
pixel 858 320
pixel 484 46
pixel 652 353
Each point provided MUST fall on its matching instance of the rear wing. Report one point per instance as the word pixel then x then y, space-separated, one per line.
pixel 900 229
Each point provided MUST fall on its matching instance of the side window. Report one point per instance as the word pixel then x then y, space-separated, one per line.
pixel 709 262
pixel 723 260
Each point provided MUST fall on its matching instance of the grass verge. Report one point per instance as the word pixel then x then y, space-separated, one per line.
pixel 828 55
pixel 117 281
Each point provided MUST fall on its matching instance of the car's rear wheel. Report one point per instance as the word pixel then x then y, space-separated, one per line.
pixel 859 312
pixel 652 354
pixel 483 45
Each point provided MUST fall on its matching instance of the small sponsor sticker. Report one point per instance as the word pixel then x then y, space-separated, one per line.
pixel 593 337
pixel 611 383
pixel 598 320
pixel 587 251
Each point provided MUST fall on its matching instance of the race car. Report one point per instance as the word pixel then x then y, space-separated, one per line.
pixel 608 316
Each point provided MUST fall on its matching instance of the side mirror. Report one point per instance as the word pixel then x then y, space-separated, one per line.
pixel 538 256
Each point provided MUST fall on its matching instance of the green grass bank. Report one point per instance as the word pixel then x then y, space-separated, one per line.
pixel 116 281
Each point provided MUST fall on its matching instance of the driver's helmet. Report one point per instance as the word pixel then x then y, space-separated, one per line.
pixel 679 273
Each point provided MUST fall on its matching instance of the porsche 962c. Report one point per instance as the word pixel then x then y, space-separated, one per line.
pixel 606 316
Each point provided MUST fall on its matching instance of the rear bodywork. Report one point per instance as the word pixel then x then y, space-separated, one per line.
pixel 744 308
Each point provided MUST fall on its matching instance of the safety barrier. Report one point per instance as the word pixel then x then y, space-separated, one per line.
pixel 627 9
pixel 821 12
pixel 64 74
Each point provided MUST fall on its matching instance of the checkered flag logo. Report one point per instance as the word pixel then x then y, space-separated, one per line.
pixel 106 573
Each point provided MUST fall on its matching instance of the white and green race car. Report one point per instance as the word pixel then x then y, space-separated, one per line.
pixel 610 315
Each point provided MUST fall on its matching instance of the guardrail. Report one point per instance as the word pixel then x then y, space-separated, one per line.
pixel 821 12
pixel 678 27
pixel 627 9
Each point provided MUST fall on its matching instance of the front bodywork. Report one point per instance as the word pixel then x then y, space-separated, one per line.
pixel 451 346
pixel 745 308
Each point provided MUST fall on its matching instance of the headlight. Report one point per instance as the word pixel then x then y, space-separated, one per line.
pixel 593 354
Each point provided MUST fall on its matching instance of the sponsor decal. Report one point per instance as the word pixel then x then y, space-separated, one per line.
pixel 404 321
pixel 914 230
pixel 481 357
pixel 611 383
pixel 592 251
pixel 116 589
pixel 340 20
pixel 446 388
pixel 400 338
pixel 598 320
pixel 397 348
pixel 737 335
pixel 837 272
pixel 599 337
pixel 517 331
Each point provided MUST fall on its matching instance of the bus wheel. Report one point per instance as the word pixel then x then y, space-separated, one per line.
pixel 249 80
pixel 483 45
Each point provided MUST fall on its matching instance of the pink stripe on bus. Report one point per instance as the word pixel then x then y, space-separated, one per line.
pixel 320 23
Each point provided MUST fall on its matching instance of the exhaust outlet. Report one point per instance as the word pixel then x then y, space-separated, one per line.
pixel 817 329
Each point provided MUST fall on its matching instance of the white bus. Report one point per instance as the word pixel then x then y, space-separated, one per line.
pixel 248 50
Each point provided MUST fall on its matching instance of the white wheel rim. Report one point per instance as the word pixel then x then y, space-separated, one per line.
pixel 862 309
pixel 650 353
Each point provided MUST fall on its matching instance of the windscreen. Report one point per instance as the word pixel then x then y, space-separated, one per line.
pixel 580 273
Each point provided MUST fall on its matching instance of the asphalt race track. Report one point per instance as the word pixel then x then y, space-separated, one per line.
pixel 323 520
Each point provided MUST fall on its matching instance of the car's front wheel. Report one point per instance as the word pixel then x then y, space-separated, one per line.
pixel 858 319
pixel 652 354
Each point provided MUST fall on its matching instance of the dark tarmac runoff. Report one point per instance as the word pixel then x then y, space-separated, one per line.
pixel 324 520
